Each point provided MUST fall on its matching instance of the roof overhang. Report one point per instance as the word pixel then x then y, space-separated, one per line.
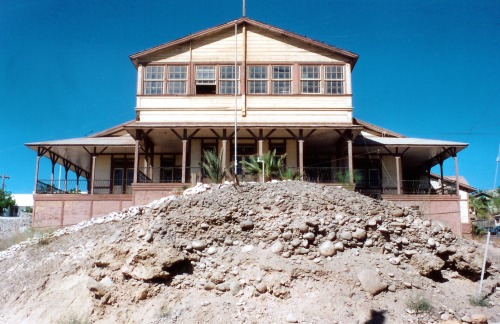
pixel 416 152
pixel 76 153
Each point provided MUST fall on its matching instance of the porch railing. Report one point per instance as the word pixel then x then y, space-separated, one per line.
pixel 326 174
pixel 167 174
pixel 83 187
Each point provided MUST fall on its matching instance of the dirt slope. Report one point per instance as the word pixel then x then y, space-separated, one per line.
pixel 280 252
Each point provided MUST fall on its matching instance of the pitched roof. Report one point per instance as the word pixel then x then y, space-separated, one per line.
pixel 352 57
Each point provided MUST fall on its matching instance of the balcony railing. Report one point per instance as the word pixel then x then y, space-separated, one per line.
pixel 83 187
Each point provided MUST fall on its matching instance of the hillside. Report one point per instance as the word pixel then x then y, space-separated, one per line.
pixel 280 252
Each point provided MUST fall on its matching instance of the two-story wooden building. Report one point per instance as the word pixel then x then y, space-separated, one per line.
pixel 242 88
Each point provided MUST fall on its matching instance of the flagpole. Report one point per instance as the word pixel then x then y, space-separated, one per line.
pixel 235 98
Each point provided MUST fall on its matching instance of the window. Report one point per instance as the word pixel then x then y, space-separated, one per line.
pixel 282 79
pixel 177 78
pixel 257 79
pixel 205 80
pixel 153 80
pixel 334 79
pixel 310 79
pixel 227 78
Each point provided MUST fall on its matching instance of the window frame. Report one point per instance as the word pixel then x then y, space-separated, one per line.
pixel 228 81
pixel 151 80
pixel 334 80
pixel 311 82
pixel 281 80
pixel 174 80
pixel 253 80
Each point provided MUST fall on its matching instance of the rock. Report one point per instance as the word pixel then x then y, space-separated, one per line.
pixel 97 288
pixel 327 249
pixel 295 243
pixel 369 243
pixel 426 223
pixel 234 288
pixel 212 250
pixel 246 225
pixel 359 234
pixel 346 235
pixel 204 226
pixel 199 245
pixel 479 319
pixel 303 228
pixel 426 264
pixel 261 287
pixel 287 236
pixel 371 282
pixel 277 247
pixel 308 236
pixel 209 286
pixel 466 319
pixel 397 212
pixel 394 261
pixel 339 246
pixel 225 286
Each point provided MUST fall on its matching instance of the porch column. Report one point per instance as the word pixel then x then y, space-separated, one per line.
pixel 261 143
pixel 349 157
pixel 36 172
pixel 301 159
pixel 65 178
pixel 441 175
pixel 94 157
pixel 52 174
pixel 398 174
pixel 224 148
pixel 184 153
pixel 136 160
pixel 457 184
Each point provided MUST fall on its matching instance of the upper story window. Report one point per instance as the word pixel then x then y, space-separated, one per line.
pixel 177 80
pixel 228 75
pixel 153 80
pixel 207 80
pixel 282 79
pixel 334 79
pixel 310 79
pixel 257 79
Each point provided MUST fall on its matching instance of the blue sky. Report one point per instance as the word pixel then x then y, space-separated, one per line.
pixel 427 68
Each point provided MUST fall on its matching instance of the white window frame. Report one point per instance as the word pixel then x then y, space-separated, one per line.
pixel 310 79
pixel 334 80
pixel 227 83
pixel 177 77
pixel 280 79
pixel 154 80
pixel 258 84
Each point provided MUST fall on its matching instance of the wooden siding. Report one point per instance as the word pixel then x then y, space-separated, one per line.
pixel 264 46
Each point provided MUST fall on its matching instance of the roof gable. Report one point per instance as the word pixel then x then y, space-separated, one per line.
pixel 177 45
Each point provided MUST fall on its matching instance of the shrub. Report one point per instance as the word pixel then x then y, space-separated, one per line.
pixel 418 304
pixel 479 301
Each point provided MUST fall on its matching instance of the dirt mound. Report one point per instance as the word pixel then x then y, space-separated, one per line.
pixel 278 252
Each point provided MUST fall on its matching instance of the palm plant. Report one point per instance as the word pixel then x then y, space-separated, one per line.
pixel 213 166
pixel 274 167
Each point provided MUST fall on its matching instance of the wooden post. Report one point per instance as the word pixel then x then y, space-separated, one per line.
pixel 36 172
pixel 224 157
pixel 441 175
pixel 398 174
pixel 301 159
pixel 457 183
pixel 184 155
pixel 136 160
pixel 351 165
pixel 261 142
pixel 94 157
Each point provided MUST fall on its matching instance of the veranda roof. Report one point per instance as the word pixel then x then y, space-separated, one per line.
pixel 77 153
pixel 415 152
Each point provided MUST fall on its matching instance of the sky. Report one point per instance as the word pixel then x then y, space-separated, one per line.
pixel 426 68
